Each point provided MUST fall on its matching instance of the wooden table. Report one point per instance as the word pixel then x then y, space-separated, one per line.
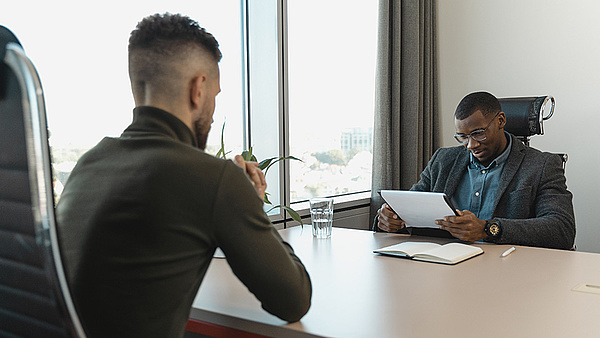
pixel 360 294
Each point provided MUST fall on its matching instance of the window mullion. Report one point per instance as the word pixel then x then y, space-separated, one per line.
pixel 284 169
pixel 247 137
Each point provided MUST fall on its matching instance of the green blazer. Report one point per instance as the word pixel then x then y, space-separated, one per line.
pixel 139 221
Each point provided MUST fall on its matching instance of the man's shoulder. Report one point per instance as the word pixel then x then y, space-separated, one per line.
pixel 535 154
pixel 152 158
pixel 447 153
pixel 452 150
pixel 532 160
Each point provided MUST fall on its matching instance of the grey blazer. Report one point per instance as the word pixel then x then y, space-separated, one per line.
pixel 532 202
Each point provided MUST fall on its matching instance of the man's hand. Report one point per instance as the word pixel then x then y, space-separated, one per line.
pixel 388 220
pixel 257 177
pixel 466 226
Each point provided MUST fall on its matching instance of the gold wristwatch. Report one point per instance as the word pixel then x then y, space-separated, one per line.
pixel 492 228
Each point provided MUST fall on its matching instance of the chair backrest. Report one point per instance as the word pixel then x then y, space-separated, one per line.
pixel 525 117
pixel 34 296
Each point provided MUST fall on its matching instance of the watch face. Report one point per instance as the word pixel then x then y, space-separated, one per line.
pixel 494 229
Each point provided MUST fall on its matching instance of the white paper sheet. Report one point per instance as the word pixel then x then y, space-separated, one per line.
pixel 417 208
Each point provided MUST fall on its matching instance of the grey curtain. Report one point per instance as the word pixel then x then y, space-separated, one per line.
pixel 406 127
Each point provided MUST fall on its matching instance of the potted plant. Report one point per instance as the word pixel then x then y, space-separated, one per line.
pixel 264 165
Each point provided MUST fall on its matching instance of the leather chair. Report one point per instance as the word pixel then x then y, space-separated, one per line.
pixel 525 116
pixel 34 296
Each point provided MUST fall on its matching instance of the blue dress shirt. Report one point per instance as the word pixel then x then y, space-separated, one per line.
pixel 477 188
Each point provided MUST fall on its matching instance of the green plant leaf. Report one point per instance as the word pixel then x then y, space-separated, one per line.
pixel 221 153
pixel 266 199
pixel 248 156
pixel 265 163
pixel 270 161
pixel 293 214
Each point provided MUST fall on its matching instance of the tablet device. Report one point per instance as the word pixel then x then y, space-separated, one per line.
pixel 419 209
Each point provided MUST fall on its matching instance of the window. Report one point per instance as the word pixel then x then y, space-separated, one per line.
pixel 311 94
pixel 80 52
pixel 332 54
pixel 297 78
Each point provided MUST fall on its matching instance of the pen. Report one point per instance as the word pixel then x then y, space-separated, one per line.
pixel 508 252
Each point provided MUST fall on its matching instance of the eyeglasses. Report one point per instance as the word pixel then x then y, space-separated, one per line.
pixel 478 135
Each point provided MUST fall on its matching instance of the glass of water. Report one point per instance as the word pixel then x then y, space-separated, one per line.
pixel 321 215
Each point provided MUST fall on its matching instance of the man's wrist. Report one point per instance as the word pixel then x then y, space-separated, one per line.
pixel 493 229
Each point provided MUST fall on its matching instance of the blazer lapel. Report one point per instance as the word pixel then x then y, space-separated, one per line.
pixel 511 167
pixel 457 172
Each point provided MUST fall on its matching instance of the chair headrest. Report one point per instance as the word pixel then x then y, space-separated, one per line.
pixel 6 36
pixel 525 115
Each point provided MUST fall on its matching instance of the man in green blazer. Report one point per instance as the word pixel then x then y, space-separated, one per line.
pixel 142 214
pixel 505 192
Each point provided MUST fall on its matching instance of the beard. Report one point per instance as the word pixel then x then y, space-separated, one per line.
pixel 201 134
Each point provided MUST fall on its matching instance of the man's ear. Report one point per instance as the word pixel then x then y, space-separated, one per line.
pixel 501 120
pixel 197 87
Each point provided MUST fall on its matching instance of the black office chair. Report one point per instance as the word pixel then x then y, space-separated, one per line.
pixel 525 117
pixel 34 296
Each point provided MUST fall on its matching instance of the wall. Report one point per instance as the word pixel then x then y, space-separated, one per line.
pixel 526 48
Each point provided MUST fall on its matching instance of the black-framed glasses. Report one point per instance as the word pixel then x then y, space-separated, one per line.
pixel 478 134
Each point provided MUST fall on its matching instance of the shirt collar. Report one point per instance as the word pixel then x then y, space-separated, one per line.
pixel 152 120
pixel 498 160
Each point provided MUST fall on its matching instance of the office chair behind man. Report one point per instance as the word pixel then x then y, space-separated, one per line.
pixel 525 117
pixel 34 297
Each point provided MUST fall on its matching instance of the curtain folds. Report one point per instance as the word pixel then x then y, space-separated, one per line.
pixel 406 124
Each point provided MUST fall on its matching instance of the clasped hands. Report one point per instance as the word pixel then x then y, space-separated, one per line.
pixel 466 226
pixel 256 176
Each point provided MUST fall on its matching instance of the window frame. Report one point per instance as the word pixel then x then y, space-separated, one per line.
pixel 344 202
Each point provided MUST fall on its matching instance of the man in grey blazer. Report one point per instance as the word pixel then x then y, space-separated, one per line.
pixel 504 191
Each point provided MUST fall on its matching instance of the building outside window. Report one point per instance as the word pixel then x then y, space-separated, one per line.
pixel 332 57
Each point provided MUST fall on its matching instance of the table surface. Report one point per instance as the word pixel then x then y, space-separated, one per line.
pixel 357 293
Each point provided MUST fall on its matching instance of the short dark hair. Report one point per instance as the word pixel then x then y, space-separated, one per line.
pixel 158 47
pixel 485 102
pixel 160 33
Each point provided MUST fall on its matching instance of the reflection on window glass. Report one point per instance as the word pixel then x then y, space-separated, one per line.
pixel 80 52
pixel 331 54
pixel 264 84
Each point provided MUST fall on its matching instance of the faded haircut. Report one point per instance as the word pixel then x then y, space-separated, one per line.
pixel 160 41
